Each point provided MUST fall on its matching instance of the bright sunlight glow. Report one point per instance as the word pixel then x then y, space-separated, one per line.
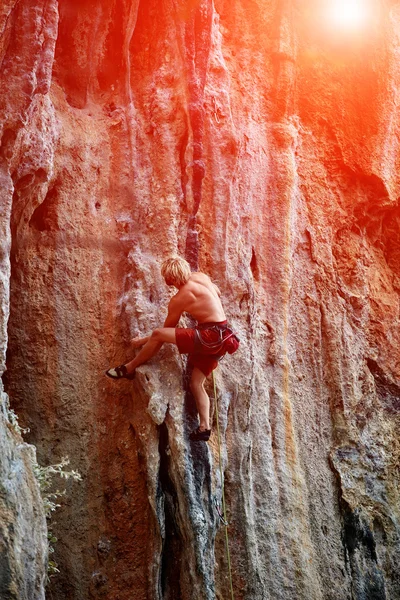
pixel 349 14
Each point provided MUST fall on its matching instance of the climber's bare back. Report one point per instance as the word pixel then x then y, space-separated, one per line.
pixel 199 297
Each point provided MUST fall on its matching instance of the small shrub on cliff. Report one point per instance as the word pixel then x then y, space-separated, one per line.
pixel 45 477
pixel 13 420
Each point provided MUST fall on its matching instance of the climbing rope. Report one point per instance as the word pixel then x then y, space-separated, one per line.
pixel 223 516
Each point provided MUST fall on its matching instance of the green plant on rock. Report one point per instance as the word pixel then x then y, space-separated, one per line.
pixel 45 477
pixel 13 420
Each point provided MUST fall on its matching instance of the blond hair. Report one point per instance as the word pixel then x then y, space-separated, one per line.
pixel 176 270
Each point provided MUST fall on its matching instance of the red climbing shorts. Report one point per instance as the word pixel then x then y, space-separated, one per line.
pixel 205 359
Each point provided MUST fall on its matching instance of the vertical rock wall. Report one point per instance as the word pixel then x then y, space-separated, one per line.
pixel 251 139
pixel 26 60
pixel 23 531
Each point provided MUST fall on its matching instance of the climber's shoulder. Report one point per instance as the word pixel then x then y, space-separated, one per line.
pixel 198 276
pixel 203 284
pixel 196 279
pixel 194 286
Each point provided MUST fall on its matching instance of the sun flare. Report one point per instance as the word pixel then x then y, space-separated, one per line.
pixel 349 14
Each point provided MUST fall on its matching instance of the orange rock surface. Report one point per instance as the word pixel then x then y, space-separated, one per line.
pixel 260 142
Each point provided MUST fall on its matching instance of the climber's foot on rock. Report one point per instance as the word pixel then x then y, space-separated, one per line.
pixel 200 435
pixel 120 372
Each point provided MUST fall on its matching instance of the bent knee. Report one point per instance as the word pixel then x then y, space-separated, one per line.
pixel 156 335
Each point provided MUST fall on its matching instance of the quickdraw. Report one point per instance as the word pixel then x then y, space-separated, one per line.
pixel 221 516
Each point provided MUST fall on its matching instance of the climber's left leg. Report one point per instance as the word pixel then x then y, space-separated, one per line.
pixel 202 400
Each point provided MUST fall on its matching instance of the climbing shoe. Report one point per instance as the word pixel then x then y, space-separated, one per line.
pixel 120 373
pixel 200 436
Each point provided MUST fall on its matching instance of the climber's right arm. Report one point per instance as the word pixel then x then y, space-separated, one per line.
pixel 174 313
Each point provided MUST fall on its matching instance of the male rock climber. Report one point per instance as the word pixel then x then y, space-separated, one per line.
pixel 205 344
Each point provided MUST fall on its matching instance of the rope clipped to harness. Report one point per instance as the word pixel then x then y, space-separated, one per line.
pixel 223 515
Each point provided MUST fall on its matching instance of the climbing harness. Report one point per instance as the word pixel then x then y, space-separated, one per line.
pixel 223 516
pixel 215 345
pixel 219 344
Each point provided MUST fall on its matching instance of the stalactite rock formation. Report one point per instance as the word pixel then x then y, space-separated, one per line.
pixel 261 144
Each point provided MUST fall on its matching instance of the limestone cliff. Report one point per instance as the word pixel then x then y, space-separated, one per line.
pixel 252 139
pixel 23 531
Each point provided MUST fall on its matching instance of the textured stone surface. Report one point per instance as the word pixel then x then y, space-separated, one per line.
pixel 23 530
pixel 24 49
pixel 263 146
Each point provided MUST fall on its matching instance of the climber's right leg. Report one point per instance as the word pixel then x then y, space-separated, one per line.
pixel 156 340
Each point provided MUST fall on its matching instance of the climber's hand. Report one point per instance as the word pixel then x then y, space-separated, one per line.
pixel 137 342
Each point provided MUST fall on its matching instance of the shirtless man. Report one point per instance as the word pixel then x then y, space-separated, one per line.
pixel 205 344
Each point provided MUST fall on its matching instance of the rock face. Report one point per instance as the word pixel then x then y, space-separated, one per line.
pixel 261 144
pixel 23 530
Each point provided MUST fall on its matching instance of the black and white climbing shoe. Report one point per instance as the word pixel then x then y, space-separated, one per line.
pixel 120 372
pixel 200 436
